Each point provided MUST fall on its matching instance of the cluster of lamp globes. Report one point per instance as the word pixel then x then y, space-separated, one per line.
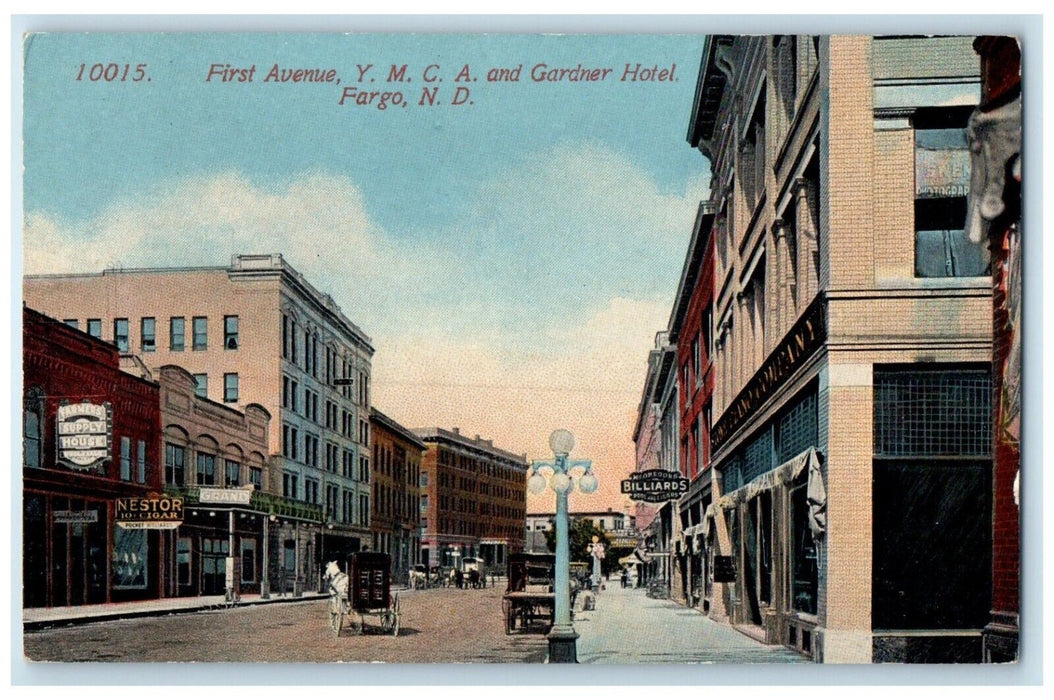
pixel 562 442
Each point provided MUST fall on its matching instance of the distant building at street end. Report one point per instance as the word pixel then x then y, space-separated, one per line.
pixel 473 499
pixel 851 445
pixel 90 438
pixel 610 520
pixel 396 519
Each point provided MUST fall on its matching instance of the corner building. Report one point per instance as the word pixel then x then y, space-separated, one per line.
pixel 473 500
pixel 255 331
pixel 73 550
pixel 852 345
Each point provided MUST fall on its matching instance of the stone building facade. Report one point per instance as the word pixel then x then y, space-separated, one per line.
pixel 852 345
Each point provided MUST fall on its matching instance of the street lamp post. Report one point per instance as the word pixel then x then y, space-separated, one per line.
pixel 562 637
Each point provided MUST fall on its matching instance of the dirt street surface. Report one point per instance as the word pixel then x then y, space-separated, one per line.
pixel 442 625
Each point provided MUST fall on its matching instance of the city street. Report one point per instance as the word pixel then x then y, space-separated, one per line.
pixel 628 627
pixel 439 626
pixel 443 625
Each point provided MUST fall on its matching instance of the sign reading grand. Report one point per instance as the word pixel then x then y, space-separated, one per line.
pixel 85 434
pixel 153 513
pixel 655 485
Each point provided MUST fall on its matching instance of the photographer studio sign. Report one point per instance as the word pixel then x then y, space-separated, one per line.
pixel 655 486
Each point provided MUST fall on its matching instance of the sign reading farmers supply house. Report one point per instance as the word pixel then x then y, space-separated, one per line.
pixel 84 433
pixel 153 513
pixel 655 485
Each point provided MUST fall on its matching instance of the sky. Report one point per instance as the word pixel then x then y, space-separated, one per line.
pixel 511 257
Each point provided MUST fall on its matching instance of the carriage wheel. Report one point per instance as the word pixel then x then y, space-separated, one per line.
pixel 388 621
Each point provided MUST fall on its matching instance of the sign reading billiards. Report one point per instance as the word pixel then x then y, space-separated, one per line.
pixel 655 485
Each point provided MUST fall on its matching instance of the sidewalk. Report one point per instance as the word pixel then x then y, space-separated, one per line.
pixel 627 627
pixel 39 618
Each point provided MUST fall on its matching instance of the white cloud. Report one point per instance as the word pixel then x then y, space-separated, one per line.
pixel 535 311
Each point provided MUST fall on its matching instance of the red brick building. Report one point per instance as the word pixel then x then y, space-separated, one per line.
pixel 691 331
pixel 473 499
pixel 91 434
pixel 997 124
pixel 396 508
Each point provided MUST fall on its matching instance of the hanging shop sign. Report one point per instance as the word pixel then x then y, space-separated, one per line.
pixel 85 434
pixel 655 485
pixel 724 570
pixel 152 513
pixel 239 496
pixel 804 339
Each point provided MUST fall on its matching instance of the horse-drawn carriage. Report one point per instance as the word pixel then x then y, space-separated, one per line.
pixel 365 589
pixel 529 598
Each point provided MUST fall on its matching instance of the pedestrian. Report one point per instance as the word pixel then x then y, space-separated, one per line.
pixel 459 578
pixel 625 578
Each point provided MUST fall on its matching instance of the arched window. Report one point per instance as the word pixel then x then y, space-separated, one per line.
pixel 33 428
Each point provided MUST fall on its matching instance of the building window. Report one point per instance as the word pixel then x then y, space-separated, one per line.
pixel 148 334
pixel 95 327
pixel 256 477
pixel 183 561
pixel 289 485
pixel 177 334
pixel 233 473
pixel 32 428
pixel 72 323
pixel 175 465
pixel 206 470
pixel 120 334
pixel 130 562
pixel 942 178
pixel 798 428
pixel 201 333
pixel 140 462
pixel 230 388
pixel 364 509
pixel 126 459
pixel 230 332
pixel 285 337
pixel 804 572
pixel 201 385
pixel 932 412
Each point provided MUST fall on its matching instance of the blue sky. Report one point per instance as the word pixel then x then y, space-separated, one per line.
pixel 511 258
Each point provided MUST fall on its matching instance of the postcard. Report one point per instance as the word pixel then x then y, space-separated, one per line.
pixel 521 348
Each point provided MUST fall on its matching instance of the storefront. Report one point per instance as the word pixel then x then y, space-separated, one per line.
pixel 90 437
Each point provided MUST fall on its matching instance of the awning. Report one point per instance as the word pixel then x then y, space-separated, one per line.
pixel 631 560
pixel 785 474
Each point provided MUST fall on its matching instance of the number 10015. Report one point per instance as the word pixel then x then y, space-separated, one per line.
pixel 112 72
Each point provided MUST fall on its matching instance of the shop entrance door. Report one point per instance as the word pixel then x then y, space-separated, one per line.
pixel 214 552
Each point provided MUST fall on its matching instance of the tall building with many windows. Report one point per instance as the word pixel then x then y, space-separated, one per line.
pixel 852 338
pixel 473 499
pixel 255 331
pixel 396 517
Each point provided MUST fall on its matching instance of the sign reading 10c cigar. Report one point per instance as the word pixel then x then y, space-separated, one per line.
pixel 655 485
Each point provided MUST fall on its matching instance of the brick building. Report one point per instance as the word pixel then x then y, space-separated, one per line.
pixel 255 331
pixel 851 445
pixel 212 446
pixel 690 331
pixel 997 125
pixel 90 436
pixel 473 499
pixel 396 518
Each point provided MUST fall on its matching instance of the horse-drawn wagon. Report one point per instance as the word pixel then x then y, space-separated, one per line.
pixel 365 589
pixel 529 598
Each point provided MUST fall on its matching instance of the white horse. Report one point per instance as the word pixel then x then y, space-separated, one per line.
pixel 338 595
pixel 418 579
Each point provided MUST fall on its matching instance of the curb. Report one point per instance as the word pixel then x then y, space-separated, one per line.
pixel 38 625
